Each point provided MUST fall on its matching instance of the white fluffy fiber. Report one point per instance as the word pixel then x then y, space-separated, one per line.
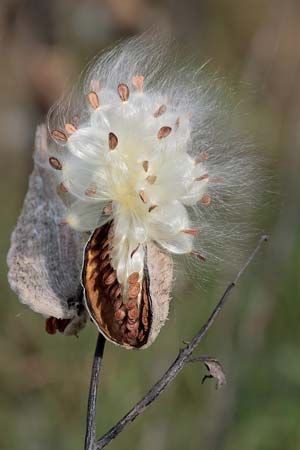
pixel 155 188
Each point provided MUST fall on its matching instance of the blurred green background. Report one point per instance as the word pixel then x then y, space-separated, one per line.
pixel 44 379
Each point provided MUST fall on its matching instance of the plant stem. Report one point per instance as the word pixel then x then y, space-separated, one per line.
pixel 183 357
pixel 90 436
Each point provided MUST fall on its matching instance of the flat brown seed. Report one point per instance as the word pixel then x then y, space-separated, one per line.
pixel 146 166
pixel 151 179
pixel 93 99
pixel 70 128
pixel 199 256
pixel 91 191
pixel 55 163
pixel 50 325
pixel 133 333
pixel 119 314
pixel 132 325
pixel 160 111
pixel 203 156
pixel 138 82
pixel 133 313
pixel 164 132
pixel 216 180
pixel 177 123
pixel 110 279
pixel 134 290
pixel 152 208
pixel 206 200
pixel 62 188
pixel 133 278
pixel 143 196
pixel 107 210
pixel 191 231
pixel 112 141
pixel 59 135
pixel 123 91
pixel 117 304
pixel 202 178
pixel 131 303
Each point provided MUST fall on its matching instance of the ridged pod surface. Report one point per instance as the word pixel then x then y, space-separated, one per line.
pixel 131 318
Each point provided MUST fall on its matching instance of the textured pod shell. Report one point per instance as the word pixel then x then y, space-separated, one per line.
pixel 45 257
pixel 131 319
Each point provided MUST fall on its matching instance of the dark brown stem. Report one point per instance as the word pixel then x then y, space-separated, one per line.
pixel 183 357
pixel 90 436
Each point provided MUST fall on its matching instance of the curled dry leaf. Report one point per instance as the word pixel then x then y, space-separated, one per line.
pixel 214 368
pixel 44 259
pixel 133 318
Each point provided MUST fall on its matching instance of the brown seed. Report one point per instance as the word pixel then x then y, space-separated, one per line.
pixel 161 110
pixel 117 304
pixel 203 156
pixel 119 314
pixel 138 82
pixel 141 335
pixel 146 165
pixel 133 278
pixel 164 132
pixel 152 208
pixel 199 256
pixel 105 254
pixel 110 279
pixel 177 123
pixel 134 290
pixel 107 210
pixel 131 303
pixel 70 128
pixel 75 121
pixel 133 333
pixel 93 99
pixel 59 135
pixel 206 200
pixel 91 191
pixel 62 188
pixel 50 325
pixel 118 292
pixel 123 91
pixel 133 313
pixel 145 320
pixel 112 141
pixel 143 196
pixel 191 231
pixel 202 178
pixel 103 264
pixel 132 325
pixel 55 163
pixel 216 180
pixel 151 179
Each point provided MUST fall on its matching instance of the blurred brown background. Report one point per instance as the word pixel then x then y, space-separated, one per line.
pixel 44 379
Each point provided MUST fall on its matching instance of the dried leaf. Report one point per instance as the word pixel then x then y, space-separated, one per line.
pixel 216 371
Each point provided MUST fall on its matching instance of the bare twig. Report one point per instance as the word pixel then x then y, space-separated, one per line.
pixel 90 436
pixel 183 357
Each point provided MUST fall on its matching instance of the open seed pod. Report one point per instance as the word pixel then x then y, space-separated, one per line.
pixel 131 317
pixel 45 257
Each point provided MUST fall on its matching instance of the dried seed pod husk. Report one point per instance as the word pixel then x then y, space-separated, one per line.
pixel 145 302
pixel 45 258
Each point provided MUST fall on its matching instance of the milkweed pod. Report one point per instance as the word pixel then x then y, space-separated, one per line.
pixel 132 315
